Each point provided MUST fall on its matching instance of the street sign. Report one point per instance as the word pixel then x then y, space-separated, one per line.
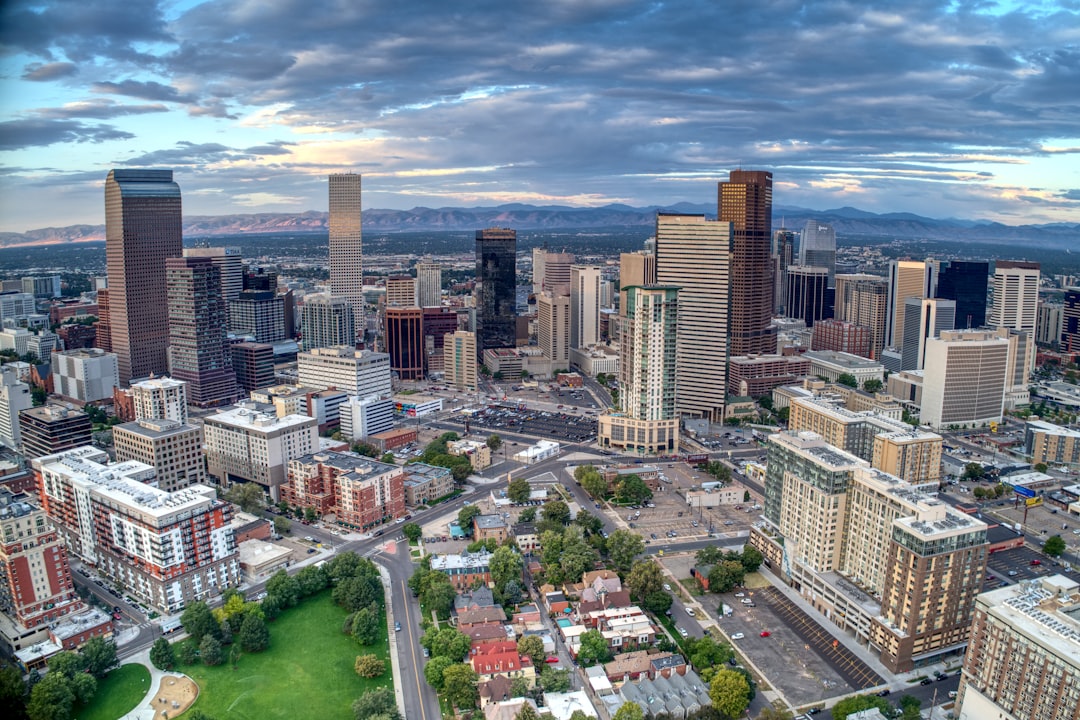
pixel 1023 491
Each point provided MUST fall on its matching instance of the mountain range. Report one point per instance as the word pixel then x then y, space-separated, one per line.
pixel 847 221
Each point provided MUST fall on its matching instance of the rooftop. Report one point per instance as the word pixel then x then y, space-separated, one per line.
pixel 1044 610
pixel 489 522
pixel 842 358
pixel 1052 429
pixel 248 418
pixel 156 428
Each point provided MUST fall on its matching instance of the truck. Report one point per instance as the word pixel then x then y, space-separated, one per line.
pixel 170 625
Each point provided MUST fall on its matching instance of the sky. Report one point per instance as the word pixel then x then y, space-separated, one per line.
pixel 944 109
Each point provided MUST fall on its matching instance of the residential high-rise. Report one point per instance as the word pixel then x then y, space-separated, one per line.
pixel 864 300
pixel 1050 323
pixel 553 327
pixel 1023 658
pixel 400 291
pixel 405 341
pixel 694 255
pixel 357 372
pixel 346 247
pixel 966 375
pixel 907 278
pixel 459 360
pixel 142 230
pixel 924 318
pixel 818 247
pixel 808 289
pixel 496 273
pixel 199 351
pixel 647 419
pixel 160 399
pixel 745 201
pixel 173 449
pixel 539 254
pixel 1016 295
pixel 636 268
pixel 1070 321
pixel 326 321
pixel 14 398
pixel 362 493
pixel 428 284
pixel 42 287
pixel 584 305
pixel 965 282
pixel 783 251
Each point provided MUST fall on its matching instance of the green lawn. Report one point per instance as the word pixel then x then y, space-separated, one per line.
pixel 306 673
pixel 117 694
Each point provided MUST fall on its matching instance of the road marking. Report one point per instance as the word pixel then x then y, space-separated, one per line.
pixel 412 650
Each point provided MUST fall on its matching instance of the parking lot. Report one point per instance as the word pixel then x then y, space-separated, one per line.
pixel 558 425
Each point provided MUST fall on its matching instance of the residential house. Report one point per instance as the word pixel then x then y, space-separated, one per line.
pixel 506 709
pixel 666 665
pixel 526 614
pixel 502 658
pixel 556 601
pixel 562 706
pixel 481 616
pixel 487 527
pixel 620 599
pixel 495 690
pixel 464 570
pixel 678 695
pixel 484 634
pixel 474 599
pixel 526 537
pixel 701 574
pixel 628 666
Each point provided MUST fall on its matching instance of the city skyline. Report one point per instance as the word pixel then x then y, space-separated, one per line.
pixel 944 110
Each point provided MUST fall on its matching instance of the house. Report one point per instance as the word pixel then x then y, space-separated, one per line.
pixel 619 599
pixel 502 658
pixel 677 695
pixel 495 690
pixel 556 601
pixel 491 527
pixel 666 665
pixel 481 616
pixel 563 705
pixel 526 614
pixel 507 709
pixel 474 599
pixel 526 537
pixel 628 666
pixel 484 634
pixel 701 574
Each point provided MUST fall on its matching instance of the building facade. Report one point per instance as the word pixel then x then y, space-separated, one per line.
pixel 817 247
pixel 362 493
pixel 85 375
pixel 405 341
pixel 347 249
pixel 965 282
pixel 808 294
pixel 253 364
pixel 965 379
pixel 553 327
pixel 745 201
pixel 584 305
pixel 14 398
pixel 160 399
pixel 459 360
pixel 361 417
pixel 357 372
pixel 326 321
pixel 496 272
pixel 52 428
pixel 173 449
pixel 907 279
pixel 428 284
pixel 841 336
pixel 1016 295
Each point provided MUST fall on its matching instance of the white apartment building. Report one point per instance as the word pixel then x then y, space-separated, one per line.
pixel 244 445
pixel 14 398
pixel 160 399
pixel 86 374
pixel 173 449
pixel 966 375
pixel 360 417
pixel 356 372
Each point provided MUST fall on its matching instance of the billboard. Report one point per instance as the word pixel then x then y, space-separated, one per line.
pixel 1032 501
pixel 694 459
pixel 1023 491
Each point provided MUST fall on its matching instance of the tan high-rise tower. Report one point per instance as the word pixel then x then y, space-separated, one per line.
pixel 142 230
pixel 346 245
pixel 745 201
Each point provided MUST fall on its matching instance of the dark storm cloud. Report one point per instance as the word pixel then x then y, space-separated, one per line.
pixel 39 132
pixel 42 72
pixel 149 90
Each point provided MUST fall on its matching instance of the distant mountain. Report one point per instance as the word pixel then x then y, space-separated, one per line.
pixel 848 222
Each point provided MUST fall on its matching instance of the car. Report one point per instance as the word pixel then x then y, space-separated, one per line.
pixel 942 677
pixel 925 681
pixel 117 608
pixel 551 660
pixel 261 596
pixel 666 585
pixel 884 693
pixel 747 601
pixel 813 711
pixel 117 616
pixel 426 653
pixel 739 594
pixel 653 536
pixel 690 611
pixel 1013 573
pixel 309 538
pixel 1036 562
pixel 765 633
pixel 682 631
pixel 737 636
pixel 397 627
pixel 310 550
pixel 378 533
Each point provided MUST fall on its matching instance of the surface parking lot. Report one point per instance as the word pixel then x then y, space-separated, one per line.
pixel 559 426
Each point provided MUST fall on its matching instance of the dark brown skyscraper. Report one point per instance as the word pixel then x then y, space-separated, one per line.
pixel 142 230
pixel 745 201
pixel 405 341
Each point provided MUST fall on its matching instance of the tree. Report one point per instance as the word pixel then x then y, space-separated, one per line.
pixel 709 555
pixel 310 515
pixel 519 687
pixel 210 650
pixel 162 655
pixel 311 580
pixel 518 490
pixel 282 525
pixel 412 531
pixel 629 711
pixel 872 385
pixel 556 511
pixel 973 471
pixel 249 496
pixel 658 602
pixel 369 666
pixel 354 593
pixel 12 691
pixel 595 484
pixel 187 653
pixel 593 649
pixel 253 635
pixel 459 686
pixel 494 442
pixel 512 594
pixel 1040 467
pixel 527 712
pixel 199 622
pixel 533 647
pixel 367 624
pixel 465 518
pixel 446 642
pixel 730 693
pixel 527 515
pixel 51 699
pixel 850 705
pixel 632 490
pixel 366 449
pixel 235 653
pixel 376 703
pixel 100 655
pixel 388 458
pixel 848 380
pixel 751 558
pixel 588 522
pixel 725 576
pixel 910 707
pixel 623 546
pixel 1054 546
pixel 552 680
pixel 433 671
pixel 506 564
pixel 438 595
pixel 284 587
pixel 705 653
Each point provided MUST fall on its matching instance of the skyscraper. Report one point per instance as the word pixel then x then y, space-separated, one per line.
pixel 783 249
pixel 553 327
pixel 1016 295
pixel 864 300
pixel 346 246
pixel 496 272
pixel 326 321
pixel 198 348
pixel 966 376
pixel 694 254
pixel 557 272
pixel 965 282
pixel 142 230
pixel 907 278
pixel 584 305
pixel 745 201
pixel 807 293
pixel 818 247
pixel 428 284
pixel 459 360
pixel 636 268
pixel 229 263
pixel 924 318
pixel 405 341
pixel 1070 321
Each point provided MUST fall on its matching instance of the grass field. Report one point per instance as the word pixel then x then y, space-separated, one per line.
pixel 117 694
pixel 306 673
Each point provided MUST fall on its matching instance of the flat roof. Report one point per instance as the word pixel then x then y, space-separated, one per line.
pixel 842 358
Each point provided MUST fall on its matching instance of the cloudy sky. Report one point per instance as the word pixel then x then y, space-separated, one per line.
pixel 946 109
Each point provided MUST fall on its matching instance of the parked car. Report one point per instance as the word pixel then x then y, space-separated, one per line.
pixel 552 660
pixel 737 636
pixel 1036 562
pixel 765 633
pixel 690 611
pixel 397 627
pixel 925 681
pixel 666 585
pixel 682 631
pixel 884 692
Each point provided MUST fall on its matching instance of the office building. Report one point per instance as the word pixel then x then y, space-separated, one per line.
pixel 459 360
pixel 694 255
pixel 636 268
pixel 864 300
pixel 199 352
pixel 584 305
pixel 1049 325
pixel 52 428
pixel 1016 295
pixel 437 323
pixel 965 282
pixel 42 287
pixel 14 398
pixel 817 247
pixel 808 294
pixel 965 379
pixel 361 417
pixel 361 493
pixel 258 315
pixel 428 284
pixel 16 307
pixel 36 588
pixel 1023 657
pixel 405 341
pixel 230 266
pixel 400 291
pixel 244 445
pixel 745 201
pixel 831 365
pixel 253 364
pixel 553 327
pixel 166 549
pixel 783 256
pixel 647 420
pixel 538 256
pixel 1021 350
pixel 840 336
pixel 1070 321
pixel 346 248
pixel 496 273
pixel 556 275
pixel 160 399
pixel 1051 444
pixel 173 449
pixel 357 372
pixel 326 321
pixel 907 279
pixel 924 318
pixel 757 375
pixel 142 230
pixel 85 375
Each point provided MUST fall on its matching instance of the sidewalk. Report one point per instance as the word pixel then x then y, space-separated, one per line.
pixel 387 588
pixel 145 710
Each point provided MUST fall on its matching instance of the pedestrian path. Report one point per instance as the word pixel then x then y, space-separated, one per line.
pixel 145 709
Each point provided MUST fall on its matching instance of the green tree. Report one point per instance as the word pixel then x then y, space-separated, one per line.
pixel 751 558
pixel 1054 546
pixel 623 547
pixel 910 707
pixel 595 484
pixel 973 471
pixel 376 704
pixel 366 449
pixel 773 713
pixel 367 625
pixel 848 380
pixel 629 711
pixel 249 496
pixel 527 712
pixel 709 555
pixel 556 681
pixel 519 687
pixel 589 522
pixel 284 587
pixel 465 518
pixel 446 642
pixel 632 490
pixel 433 671
pixel 388 458
pixel 310 515
pixel 51 699
pixel 357 592
pixel 533 647
pixel 556 511
pixel 369 666
pixel 311 580
pixel 282 525
pixel 872 385
pixel 518 490
pixel 593 649
pixel 459 686
pixel 1040 467
pixel 210 650
pixel 506 564
pixel 162 655
pixel 494 442
pixel 725 576
pixel 527 515
pixel 12 691
pixel 187 652
pixel 438 596
pixel 704 653
pixel 412 531
pixel 658 602
pixel 730 693
pixel 100 655
pixel 199 622
pixel 850 705
pixel 67 663
pixel 576 557
pixel 253 635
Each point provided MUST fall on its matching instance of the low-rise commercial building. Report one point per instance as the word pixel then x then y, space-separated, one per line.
pixel 52 428
pixel 479 453
pixel 831 365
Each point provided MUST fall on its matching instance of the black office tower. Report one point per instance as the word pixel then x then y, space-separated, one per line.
pixel 496 271
pixel 965 282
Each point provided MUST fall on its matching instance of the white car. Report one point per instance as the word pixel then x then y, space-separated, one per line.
pixel 739 594
pixel 690 611
pixel 667 587
pixel 737 636
pixel 682 631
